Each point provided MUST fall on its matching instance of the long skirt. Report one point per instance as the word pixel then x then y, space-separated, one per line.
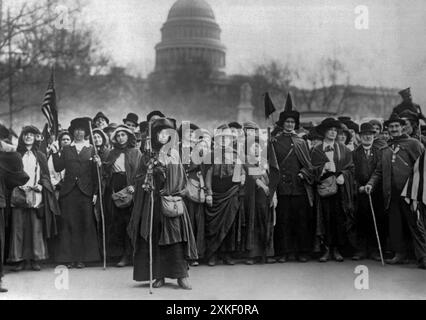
pixel 293 230
pixel 168 261
pixel 26 239
pixel 334 222
pixel 2 239
pixel 258 223
pixel 77 240
pixel 196 213
pixel 223 228
pixel 118 240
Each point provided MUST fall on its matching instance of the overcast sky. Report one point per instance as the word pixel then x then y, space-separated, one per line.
pixel 392 52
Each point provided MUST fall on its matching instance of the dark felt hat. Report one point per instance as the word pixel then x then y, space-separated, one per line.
pixel 80 123
pixel 100 115
pixel 350 124
pixel 289 113
pixel 30 129
pixel 111 127
pixel 154 113
pixel 409 115
pixel 367 128
pixel 132 117
pixel 327 124
pixel 394 118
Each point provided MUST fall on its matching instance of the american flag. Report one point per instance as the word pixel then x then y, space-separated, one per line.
pixel 415 189
pixel 49 106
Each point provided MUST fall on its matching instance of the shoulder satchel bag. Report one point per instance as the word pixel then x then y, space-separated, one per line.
pixel 122 199
pixel 18 198
pixel 195 189
pixel 172 206
pixel 327 187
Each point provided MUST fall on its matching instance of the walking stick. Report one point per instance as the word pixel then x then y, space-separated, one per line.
pixel 148 186
pixel 150 239
pixel 100 197
pixel 375 228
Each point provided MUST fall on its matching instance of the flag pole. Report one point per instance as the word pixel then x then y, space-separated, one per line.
pixel 375 228
pixel 100 196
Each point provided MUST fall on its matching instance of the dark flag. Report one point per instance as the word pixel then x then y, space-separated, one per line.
pixel 269 106
pixel 49 107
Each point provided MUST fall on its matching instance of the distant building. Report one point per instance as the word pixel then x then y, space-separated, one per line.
pixel 191 38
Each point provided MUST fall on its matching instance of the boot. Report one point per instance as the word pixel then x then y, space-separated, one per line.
pixel 360 255
pixel 302 258
pixel 270 260
pixel 228 260
pixel 399 258
pixel 422 263
pixel 212 261
pixel 184 283
pixel 249 262
pixel 19 266
pixel 35 266
pixel 123 262
pixel 159 283
pixel 80 265
pixel 375 256
pixel 2 289
pixel 194 263
pixel 326 256
pixel 282 259
pixel 337 256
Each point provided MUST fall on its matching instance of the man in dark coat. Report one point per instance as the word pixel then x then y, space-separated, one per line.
pixel 11 175
pixel 366 157
pixel 292 234
pixel 393 171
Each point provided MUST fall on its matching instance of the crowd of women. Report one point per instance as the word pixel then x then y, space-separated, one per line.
pixel 310 199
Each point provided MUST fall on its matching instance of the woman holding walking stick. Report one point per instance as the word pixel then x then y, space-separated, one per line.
pixel 173 242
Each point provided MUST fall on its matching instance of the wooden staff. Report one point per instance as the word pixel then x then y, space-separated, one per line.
pixel 375 228
pixel 100 196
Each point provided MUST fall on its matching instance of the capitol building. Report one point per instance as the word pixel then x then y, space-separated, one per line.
pixel 191 38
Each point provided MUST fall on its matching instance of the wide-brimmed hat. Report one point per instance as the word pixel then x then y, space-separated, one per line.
pixel 102 134
pixel 128 131
pixel 224 130
pixel 327 124
pixel 349 123
pixel 82 123
pixel 154 113
pixel 394 118
pixel 132 118
pixel 409 115
pixel 30 129
pixel 367 128
pixel 192 127
pixel 375 122
pixel 289 113
pixel 100 115
pixel 111 127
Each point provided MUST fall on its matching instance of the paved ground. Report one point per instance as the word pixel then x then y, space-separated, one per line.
pixel 278 281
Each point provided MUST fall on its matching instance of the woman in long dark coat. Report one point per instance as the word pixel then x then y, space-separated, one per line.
pixel 12 175
pixel 173 241
pixel 77 242
pixel 334 213
pixel 224 211
pixel 120 169
pixel 258 235
pixel 195 171
pixel 32 225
